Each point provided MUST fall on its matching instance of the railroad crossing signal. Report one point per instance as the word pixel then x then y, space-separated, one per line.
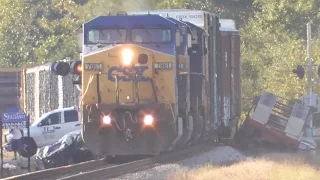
pixel 76 67
pixel 70 67
pixel 60 68
pixel 299 71
pixel 64 68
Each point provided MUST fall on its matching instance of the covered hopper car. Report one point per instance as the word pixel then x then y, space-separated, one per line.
pixel 156 81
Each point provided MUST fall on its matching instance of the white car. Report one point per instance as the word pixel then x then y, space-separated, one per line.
pixel 52 126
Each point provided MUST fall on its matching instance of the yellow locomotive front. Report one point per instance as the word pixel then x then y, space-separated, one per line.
pixel 129 84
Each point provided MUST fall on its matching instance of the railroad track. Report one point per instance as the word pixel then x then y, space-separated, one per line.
pixel 100 169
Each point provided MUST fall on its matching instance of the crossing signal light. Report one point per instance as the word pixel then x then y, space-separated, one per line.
pixel 300 71
pixel 60 68
pixel 76 67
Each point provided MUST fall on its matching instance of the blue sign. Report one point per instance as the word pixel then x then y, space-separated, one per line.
pixel 127 75
pixel 14 118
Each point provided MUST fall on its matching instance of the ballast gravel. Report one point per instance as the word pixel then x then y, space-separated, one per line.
pixel 218 156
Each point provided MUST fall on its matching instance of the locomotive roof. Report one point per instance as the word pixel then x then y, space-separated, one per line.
pixel 195 17
pixel 125 21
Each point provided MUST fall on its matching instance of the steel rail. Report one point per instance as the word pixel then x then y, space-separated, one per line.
pixel 118 170
pixel 59 171
pixel 98 168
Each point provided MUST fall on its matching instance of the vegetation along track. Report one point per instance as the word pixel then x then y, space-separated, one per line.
pixel 99 168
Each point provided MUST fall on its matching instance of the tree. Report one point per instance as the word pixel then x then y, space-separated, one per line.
pixel 16 33
pixel 273 43
pixel 291 14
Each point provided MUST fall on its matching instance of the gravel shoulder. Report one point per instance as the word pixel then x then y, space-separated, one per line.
pixel 224 155
pixel 228 163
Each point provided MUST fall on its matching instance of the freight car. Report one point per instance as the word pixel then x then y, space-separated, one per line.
pixel 156 81
pixel 278 122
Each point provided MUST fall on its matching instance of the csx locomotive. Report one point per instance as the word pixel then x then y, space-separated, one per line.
pixel 156 81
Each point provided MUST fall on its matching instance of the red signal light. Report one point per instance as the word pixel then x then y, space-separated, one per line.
pixel 76 67
pixel 79 68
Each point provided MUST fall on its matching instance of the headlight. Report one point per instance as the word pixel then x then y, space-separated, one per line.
pixel 106 120
pixel 127 56
pixel 148 120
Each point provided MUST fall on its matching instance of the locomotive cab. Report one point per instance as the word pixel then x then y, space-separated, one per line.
pixel 129 84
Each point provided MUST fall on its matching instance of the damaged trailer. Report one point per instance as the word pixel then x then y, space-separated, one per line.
pixel 277 122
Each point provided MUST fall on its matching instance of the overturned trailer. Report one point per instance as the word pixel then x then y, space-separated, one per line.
pixel 278 122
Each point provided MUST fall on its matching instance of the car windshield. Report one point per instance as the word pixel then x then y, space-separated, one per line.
pixel 151 35
pixel 107 36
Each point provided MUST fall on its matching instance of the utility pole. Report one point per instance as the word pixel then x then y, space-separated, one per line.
pixel 310 65
pixel 309 62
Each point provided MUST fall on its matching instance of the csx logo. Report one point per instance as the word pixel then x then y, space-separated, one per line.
pixel 127 76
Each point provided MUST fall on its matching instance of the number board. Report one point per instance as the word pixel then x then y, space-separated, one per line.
pixel 93 66
pixel 166 65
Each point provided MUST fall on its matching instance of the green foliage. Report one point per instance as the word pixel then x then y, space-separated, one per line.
pixel 273 43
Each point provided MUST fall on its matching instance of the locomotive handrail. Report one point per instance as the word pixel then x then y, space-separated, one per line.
pixel 117 89
pixel 168 102
pixel 98 88
pixel 154 90
pixel 88 85
pixel 136 88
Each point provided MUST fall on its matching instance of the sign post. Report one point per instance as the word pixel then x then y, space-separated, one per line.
pixel 1 149
pixel 14 118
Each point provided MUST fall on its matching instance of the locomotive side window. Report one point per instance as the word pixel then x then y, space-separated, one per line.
pixel 151 35
pixel 107 36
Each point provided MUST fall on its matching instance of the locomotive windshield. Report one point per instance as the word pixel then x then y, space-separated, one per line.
pixel 151 35
pixel 107 36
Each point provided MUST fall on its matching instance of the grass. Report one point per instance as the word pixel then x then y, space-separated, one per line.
pixel 269 167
